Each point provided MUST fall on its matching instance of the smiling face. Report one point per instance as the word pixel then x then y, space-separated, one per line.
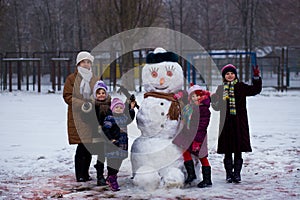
pixel 118 109
pixel 162 77
pixel 100 94
pixel 230 76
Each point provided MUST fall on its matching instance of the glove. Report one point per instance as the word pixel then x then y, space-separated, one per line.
pixel 196 147
pixel 86 107
pixel 255 71
pixel 178 95
pixel 133 103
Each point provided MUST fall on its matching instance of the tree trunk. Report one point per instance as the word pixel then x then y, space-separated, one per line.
pixel 127 68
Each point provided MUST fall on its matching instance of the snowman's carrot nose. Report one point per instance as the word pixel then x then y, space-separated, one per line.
pixel 161 81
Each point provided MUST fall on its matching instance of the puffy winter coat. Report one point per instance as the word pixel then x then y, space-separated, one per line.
pixel 113 123
pixel 234 129
pixel 125 118
pixel 197 130
pixel 80 125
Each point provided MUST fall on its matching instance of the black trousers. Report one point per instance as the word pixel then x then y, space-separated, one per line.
pixel 82 162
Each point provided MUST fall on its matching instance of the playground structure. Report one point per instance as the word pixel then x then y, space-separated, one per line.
pixel 19 61
pixel 25 71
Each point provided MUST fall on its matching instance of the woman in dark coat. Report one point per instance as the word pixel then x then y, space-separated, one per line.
pixel 230 100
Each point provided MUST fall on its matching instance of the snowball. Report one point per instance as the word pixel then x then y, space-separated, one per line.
pixel 147 178
pixel 173 177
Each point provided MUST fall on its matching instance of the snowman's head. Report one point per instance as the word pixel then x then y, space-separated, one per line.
pixel 162 73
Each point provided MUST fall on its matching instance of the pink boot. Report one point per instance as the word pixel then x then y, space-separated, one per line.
pixel 113 183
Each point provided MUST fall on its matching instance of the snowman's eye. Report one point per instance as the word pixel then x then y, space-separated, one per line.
pixel 169 73
pixel 170 70
pixel 154 74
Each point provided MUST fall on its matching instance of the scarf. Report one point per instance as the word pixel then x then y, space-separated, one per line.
pixel 187 114
pixel 174 110
pixel 228 94
pixel 104 105
pixel 85 88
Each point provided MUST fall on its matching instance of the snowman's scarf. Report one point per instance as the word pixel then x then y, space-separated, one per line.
pixel 174 110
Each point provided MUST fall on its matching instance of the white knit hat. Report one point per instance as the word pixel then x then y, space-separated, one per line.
pixel 84 55
pixel 193 89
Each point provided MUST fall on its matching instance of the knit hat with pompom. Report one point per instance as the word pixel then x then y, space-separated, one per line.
pixel 115 102
pixel 198 90
pixel 99 85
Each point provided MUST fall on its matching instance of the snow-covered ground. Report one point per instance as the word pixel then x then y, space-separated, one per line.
pixel 36 161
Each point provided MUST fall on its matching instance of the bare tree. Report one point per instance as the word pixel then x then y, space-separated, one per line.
pixel 17 24
pixel 121 15
pixel 3 6
pixel 3 9
pixel 34 25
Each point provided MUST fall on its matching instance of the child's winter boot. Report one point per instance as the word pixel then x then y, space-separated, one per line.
pixel 189 166
pixel 237 170
pixel 100 169
pixel 206 172
pixel 228 165
pixel 112 182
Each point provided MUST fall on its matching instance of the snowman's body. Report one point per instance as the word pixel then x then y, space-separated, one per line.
pixel 153 154
pixel 152 118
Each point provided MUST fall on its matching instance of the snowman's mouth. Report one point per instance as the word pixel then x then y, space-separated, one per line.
pixel 161 88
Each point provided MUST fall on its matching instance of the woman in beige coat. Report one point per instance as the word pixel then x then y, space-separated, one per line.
pixel 81 124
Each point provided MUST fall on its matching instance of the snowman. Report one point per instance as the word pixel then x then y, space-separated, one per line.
pixel 156 161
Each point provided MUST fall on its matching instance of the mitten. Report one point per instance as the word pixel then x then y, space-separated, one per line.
pixel 86 107
pixel 255 72
pixel 196 147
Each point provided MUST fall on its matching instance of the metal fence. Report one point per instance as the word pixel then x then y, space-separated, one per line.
pixel 33 71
